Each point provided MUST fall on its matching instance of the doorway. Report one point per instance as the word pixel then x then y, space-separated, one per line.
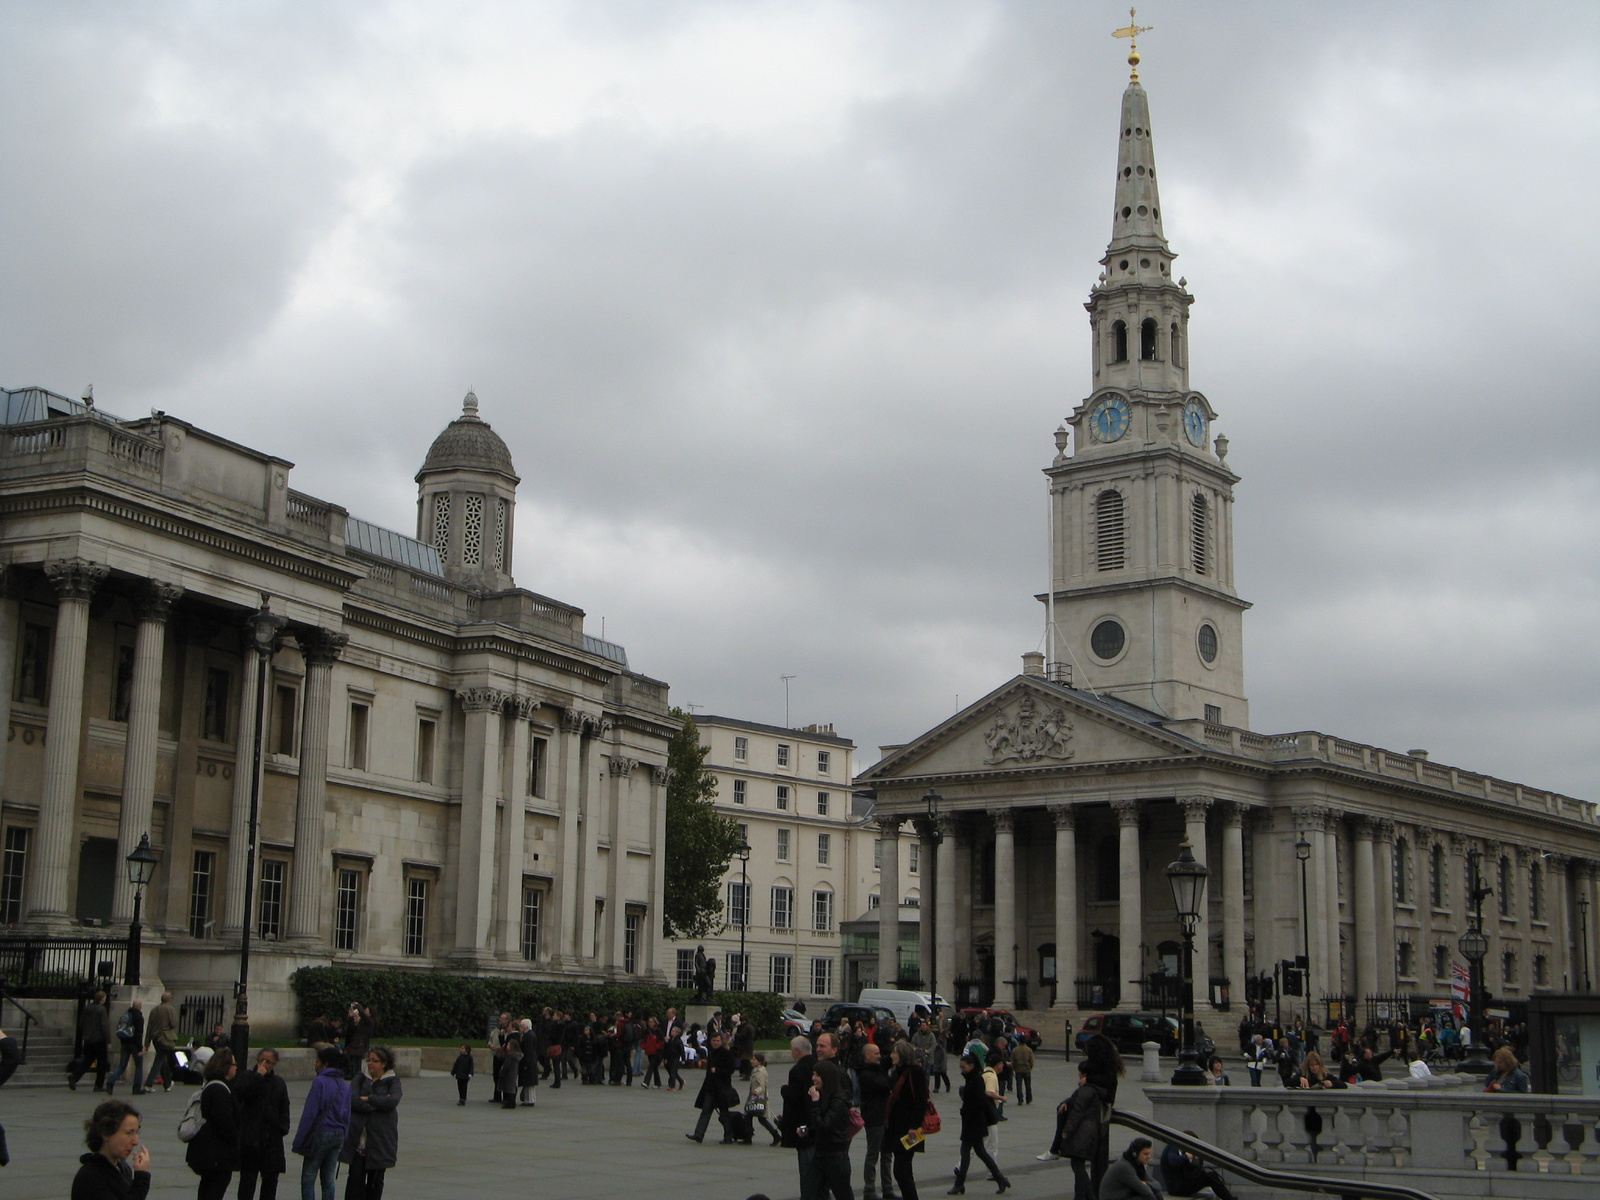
pixel 97 874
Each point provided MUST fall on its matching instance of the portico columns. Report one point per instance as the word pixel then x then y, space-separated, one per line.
pixel 75 581
pixel 1066 905
pixel 1005 907
pixel 944 926
pixel 321 649
pixel 1384 902
pixel 1366 910
pixel 1233 898
pixel 1313 906
pixel 1194 831
pixel 1130 931
pixel 568 922
pixel 889 902
pixel 144 713
pixel 927 834
pixel 513 817
pixel 480 791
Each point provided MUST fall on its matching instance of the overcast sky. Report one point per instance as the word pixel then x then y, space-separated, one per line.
pixel 778 305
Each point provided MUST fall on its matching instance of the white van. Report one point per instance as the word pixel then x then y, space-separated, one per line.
pixel 901 1004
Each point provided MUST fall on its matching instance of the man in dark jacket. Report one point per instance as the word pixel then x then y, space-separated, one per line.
pixel 94 1032
pixel 717 1093
pixel 130 1039
pixel 1186 1174
pixel 874 1081
pixel 263 1124
pixel 794 1124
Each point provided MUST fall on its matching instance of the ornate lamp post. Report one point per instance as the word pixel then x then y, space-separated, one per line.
pixel 265 626
pixel 141 869
pixel 1583 937
pixel 1188 880
pixel 932 800
pixel 1474 944
pixel 744 916
pixel 1302 851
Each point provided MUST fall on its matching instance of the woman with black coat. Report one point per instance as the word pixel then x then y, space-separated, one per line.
pixel 978 1113
pixel 263 1123
pixel 828 1115
pixel 1102 1063
pixel 214 1153
pixel 117 1167
pixel 373 1143
pixel 908 1106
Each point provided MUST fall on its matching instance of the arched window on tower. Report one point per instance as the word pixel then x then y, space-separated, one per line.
pixel 1147 340
pixel 1119 341
pixel 1110 531
pixel 1175 347
pixel 1199 534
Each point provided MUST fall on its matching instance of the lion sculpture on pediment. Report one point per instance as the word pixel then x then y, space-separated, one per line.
pixel 1029 735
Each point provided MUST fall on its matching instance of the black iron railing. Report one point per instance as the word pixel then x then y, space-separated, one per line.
pixel 1098 993
pixel 1160 992
pixel 58 967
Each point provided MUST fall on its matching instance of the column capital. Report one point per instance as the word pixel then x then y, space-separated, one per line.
pixel 1194 807
pixel 1232 813
pixel 1460 843
pixel 1005 820
pixel 482 699
pixel 1127 811
pixel 321 647
pixel 949 825
pixel 523 707
pixel 155 600
pixel 75 578
pixel 1363 826
pixel 889 825
pixel 1524 855
pixel 1065 816
pixel 1308 818
pixel 1425 835
pixel 1384 830
pixel 1558 862
pixel 661 774
pixel 620 765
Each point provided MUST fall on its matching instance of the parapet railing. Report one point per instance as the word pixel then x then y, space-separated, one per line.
pixel 1349 1189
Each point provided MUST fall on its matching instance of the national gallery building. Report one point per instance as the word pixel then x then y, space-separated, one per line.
pixel 1061 797
pixel 453 773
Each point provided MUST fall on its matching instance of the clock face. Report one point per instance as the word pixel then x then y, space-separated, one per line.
pixel 1109 420
pixel 1194 423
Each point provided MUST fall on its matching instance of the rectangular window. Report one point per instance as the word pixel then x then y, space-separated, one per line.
pixel 11 878
pixel 599 924
pixel 877 855
pixel 530 924
pixel 283 720
pixel 824 761
pixel 783 845
pixel 1508 968
pixel 822 804
pixel 783 797
pixel 824 848
pixel 122 693
pixel 822 976
pixel 822 911
pixel 214 716
pixel 269 908
pixel 783 754
pixel 740 791
pixel 741 753
pixel 33 669
pixel 201 879
pixel 356 743
pixel 538 751
pixel 744 833
pixel 915 863
pixel 416 940
pixel 346 909
pixel 1541 970
pixel 738 904
pixel 1403 963
pixel 874 901
pixel 738 971
pixel 685 969
pixel 782 976
pixel 1213 713
pixel 1441 962
pixel 425 733
pixel 1535 901
pixel 630 942
pixel 782 908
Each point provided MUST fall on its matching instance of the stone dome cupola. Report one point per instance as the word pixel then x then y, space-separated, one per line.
pixel 467 501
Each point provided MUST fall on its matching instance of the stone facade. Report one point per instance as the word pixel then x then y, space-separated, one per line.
pixel 453 773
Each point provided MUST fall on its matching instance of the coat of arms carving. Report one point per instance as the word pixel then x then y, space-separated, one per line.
pixel 1029 735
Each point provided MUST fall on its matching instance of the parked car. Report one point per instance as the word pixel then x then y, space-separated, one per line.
pixel 1130 1031
pixel 852 1013
pixel 795 1023
pixel 982 1017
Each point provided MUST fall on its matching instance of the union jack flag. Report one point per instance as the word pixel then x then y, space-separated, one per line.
pixel 1460 990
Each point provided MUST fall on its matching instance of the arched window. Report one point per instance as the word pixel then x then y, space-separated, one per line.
pixel 1173 346
pixel 1147 340
pixel 1110 530
pixel 1502 886
pixel 1436 877
pixel 1119 341
pixel 1199 534
pixel 1402 852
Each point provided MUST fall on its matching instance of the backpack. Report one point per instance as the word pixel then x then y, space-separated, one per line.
pixel 192 1122
pixel 125 1027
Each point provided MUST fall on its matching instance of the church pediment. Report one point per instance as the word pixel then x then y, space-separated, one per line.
pixel 1030 724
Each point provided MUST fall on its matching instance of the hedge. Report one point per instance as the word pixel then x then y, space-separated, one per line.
pixel 433 1004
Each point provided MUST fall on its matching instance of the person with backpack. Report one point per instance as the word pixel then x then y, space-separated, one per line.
pixel 979 1113
pixel 373 1143
pixel 130 1040
pixel 213 1152
pixel 324 1121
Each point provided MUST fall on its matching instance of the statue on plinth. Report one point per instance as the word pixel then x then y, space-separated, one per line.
pixel 705 975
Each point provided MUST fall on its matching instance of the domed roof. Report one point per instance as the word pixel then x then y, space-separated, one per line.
pixel 468 443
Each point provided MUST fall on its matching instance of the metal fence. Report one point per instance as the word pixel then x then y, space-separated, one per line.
pixel 1098 993
pixel 199 1014
pixel 59 967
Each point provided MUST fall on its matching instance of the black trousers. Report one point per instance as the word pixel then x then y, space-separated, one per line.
pixel 905 1176
pixel 1024 1087
pixel 249 1171
pixel 214 1185
pixel 98 1057
pixel 461 1085
pixel 362 1184
pixel 968 1149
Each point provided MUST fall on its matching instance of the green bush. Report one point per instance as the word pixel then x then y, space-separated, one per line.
pixel 433 1004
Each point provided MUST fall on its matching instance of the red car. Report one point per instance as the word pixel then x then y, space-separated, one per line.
pixel 1022 1033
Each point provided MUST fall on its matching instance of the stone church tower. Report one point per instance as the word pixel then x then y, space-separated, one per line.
pixel 1143 605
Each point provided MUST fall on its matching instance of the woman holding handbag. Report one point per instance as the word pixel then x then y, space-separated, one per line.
pixel 978 1113
pixel 908 1112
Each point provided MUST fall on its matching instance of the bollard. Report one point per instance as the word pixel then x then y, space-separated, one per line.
pixel 1152 1063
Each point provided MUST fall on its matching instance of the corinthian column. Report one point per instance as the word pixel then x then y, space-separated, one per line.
pixel 1005 907
pixel 1066 905
pixel 1130 932
pixel 1366 910
pixel 944 925
pixel 1233 898
pixel 75 581
pixel 889 902
pixel 1194 829
pixel 144 716
pixel 513 831
pixel 321 649
pixel 1383 890
pixel 480 790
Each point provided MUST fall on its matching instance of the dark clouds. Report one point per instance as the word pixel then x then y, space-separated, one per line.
pixel 778 305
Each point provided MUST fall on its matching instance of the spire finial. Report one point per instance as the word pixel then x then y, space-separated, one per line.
pixel 1132 32
pixel 469 406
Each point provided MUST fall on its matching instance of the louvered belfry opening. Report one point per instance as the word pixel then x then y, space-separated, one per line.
pixel 1110 538
pixel 1147 340
pixel 1119 341
pixel 1198 535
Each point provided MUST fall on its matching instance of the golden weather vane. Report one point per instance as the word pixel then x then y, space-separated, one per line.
pixel 1132 32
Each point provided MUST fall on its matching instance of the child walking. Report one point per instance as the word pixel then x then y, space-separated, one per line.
pixel 756 1103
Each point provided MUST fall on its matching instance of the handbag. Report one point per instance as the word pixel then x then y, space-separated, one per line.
pixel 553 1050
pixel 756 1106
pixel 857 1122
pixel 930 1121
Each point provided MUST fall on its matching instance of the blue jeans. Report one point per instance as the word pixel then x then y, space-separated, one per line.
pixel 322 1159
pixel 138 1068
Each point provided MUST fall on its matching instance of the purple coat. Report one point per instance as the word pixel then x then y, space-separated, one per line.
pixel 327 1109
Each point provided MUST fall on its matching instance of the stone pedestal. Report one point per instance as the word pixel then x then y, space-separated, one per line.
pixel 700 1014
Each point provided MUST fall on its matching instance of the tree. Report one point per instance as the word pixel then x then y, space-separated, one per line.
pixel 701 842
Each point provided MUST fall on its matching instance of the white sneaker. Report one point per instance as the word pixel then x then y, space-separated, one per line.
pixel 1047 1157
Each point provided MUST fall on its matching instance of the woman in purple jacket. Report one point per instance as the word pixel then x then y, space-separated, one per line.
pixel 324 1122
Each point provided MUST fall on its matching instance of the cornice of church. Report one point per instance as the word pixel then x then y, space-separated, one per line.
pixel 1189 582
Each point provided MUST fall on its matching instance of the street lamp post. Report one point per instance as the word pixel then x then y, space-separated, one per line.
pixel 744 915
pixel 1583 937
pixel 1474 944
pixel 141 869
pixel 1188 880
pixel 931 834
pixel 1302 851
pixel 265 626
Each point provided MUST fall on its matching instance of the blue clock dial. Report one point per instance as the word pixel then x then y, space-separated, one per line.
pixel 1109 420
pixel 1194 424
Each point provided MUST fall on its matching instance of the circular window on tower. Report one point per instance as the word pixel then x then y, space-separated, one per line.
pixel 1206 641
pixel 1108 640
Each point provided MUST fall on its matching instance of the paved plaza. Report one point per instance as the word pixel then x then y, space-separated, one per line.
pixel 601 1142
